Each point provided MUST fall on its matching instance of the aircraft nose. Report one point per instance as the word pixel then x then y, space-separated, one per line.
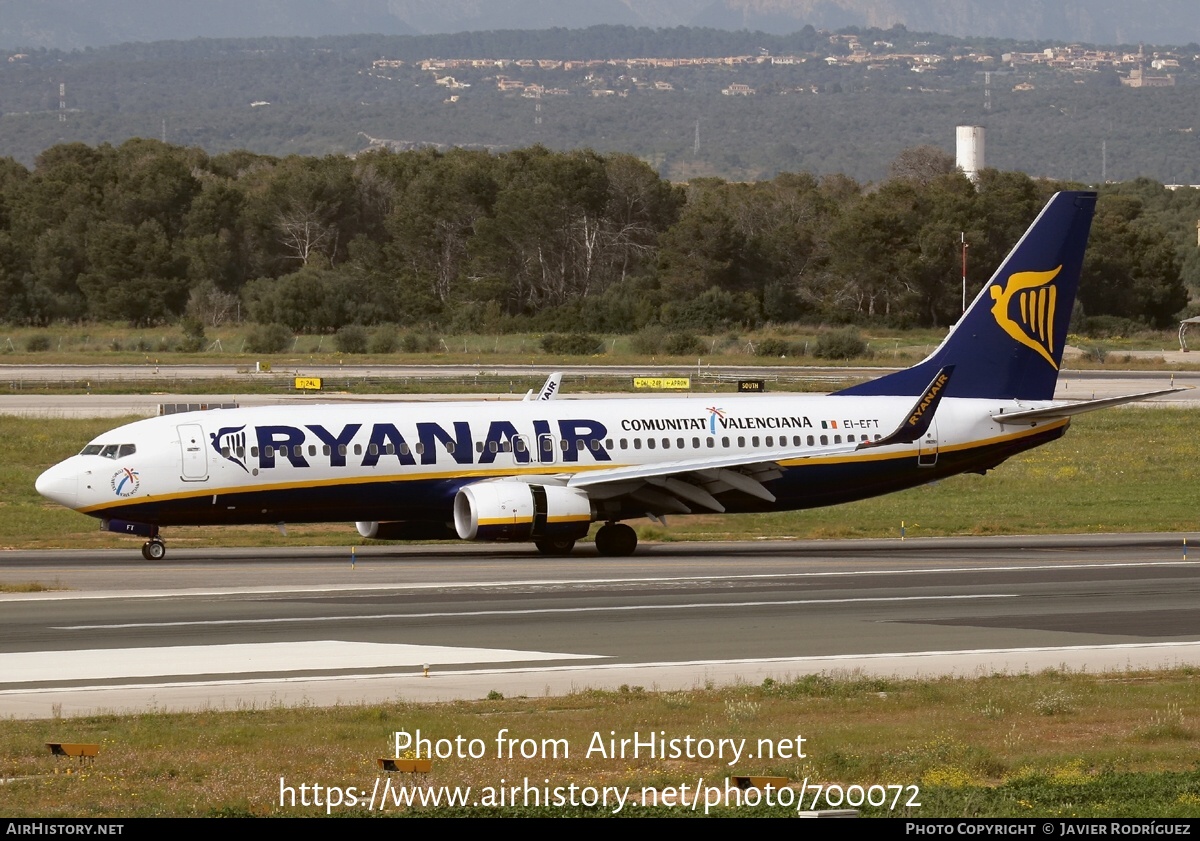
pixel 60 483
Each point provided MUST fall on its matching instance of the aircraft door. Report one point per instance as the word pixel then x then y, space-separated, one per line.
pixel 928 446
pixel 193 458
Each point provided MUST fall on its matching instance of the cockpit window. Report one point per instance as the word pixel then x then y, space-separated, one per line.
pixel 113 451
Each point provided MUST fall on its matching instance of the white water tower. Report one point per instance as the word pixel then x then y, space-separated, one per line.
pixel 969 157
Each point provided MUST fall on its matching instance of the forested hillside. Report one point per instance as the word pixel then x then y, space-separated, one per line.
pixel 809 101
pixel 534 239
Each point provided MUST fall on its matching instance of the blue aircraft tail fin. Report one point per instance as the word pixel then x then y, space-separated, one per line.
pixel 1009 343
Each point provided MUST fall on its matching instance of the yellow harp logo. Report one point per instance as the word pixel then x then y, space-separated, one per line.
pixel 1024 309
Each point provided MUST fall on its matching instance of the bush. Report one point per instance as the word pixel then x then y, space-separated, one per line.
pixel 351 339
pixel 572 344
pixel 683 344
pixel 193 334
pixel 772 346
pixel 419 343
pixel 1110 327
pixel 385 339
pixel 840 344
pixel 38 343
pixel 712 310
pixel 268 338
pixel 649 341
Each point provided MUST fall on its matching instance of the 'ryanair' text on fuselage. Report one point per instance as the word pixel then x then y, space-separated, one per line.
pixel 369 445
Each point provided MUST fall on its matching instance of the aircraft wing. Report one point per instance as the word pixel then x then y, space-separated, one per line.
pixel 671 468
pixel 1066 410
pixel 697 480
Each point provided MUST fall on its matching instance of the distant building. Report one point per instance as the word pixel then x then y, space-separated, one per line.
pixel 1139 78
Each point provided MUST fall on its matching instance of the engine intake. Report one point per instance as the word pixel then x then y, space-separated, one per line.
pixel 508 510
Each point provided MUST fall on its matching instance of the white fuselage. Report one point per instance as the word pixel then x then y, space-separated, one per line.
pixel 407 461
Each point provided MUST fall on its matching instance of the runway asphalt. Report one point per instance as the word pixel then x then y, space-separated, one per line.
pixel 235 627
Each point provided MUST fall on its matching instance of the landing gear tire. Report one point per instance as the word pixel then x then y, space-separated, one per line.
pixel 616 540
pixel 556 547
pixel 154 550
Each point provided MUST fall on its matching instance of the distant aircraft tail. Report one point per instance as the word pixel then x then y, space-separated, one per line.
pixel 1009 343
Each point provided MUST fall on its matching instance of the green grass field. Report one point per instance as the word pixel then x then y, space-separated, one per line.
pixel 1043 745
pixel 117 344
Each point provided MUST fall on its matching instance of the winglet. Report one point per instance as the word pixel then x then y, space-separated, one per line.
pixel 920 416
pixel 550 389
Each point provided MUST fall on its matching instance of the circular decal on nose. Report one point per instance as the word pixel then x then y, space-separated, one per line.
pixel 125 482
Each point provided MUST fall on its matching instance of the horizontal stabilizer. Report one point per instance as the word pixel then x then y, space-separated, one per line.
pixel 1066 410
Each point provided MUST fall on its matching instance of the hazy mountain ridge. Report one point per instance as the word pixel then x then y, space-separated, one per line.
pixel 75 24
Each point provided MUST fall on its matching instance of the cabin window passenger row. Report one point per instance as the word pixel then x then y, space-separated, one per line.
pixel 517 444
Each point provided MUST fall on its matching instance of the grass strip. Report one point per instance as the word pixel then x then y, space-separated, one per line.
pixel 1051 744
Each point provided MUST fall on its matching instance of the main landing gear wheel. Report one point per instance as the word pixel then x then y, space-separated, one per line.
pixel 556 546
pixel 154 550
pixel 616 540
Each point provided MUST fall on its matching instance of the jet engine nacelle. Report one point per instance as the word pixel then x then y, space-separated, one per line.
pixel 405 530
pixel 508 510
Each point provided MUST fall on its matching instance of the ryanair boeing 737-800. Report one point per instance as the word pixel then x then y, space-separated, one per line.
pixel 545 470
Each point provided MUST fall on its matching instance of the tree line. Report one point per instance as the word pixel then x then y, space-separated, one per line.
pixel 532 239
